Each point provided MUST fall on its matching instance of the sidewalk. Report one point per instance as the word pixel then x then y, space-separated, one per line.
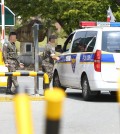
pixel 7 98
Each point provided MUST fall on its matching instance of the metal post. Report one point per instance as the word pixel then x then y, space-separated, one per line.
pixel 36 61
pixel 3 21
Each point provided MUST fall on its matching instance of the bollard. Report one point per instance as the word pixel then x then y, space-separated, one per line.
pixel 23 114
pixel 54 99
pixel 1 59
pixel 45 81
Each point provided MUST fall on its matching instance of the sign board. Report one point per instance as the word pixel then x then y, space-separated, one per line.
pixel 9 17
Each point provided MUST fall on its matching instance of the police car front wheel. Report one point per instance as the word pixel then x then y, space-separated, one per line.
pixel 56 81
pixel 86 92
pixel 86 89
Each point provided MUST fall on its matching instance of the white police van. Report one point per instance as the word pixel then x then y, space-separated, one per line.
pixel 94 68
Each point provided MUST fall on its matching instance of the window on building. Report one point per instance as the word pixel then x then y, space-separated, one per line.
pixel 28 47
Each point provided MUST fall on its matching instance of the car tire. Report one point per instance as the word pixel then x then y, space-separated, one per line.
pixel 86 92
pixel 113 93
pixel 56 81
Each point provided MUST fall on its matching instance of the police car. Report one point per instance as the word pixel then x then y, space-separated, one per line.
pixel 96 66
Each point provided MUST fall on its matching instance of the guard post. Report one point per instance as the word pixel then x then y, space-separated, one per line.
pixel 36 59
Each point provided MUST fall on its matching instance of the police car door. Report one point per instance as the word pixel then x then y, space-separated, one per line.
pixel 110 64
pixel 65 68
pixel 76 50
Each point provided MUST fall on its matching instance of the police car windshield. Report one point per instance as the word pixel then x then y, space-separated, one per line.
pixel 111 41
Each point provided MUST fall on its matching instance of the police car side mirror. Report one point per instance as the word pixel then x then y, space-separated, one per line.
pixel 58 48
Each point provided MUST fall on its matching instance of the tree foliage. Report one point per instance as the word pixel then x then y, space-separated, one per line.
pixel 68 13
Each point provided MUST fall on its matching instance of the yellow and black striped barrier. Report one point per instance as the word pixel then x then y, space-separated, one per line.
pixel 54 99
pixel 45 81
pixel 31 73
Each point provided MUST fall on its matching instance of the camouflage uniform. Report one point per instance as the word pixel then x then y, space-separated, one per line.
pixel 10 57
pixel 48 62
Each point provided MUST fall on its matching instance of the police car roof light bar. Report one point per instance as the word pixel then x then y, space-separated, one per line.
pixel 99 24
pixel 114 24
pixel 88 24
pixel 103 24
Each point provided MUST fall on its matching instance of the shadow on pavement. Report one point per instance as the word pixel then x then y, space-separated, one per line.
pixel 76 96
pixel 99 98
pixel 105 98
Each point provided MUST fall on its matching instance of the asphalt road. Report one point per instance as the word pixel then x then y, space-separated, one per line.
pixel 100 116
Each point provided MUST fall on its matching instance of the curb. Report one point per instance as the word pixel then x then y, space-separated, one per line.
pixel 32 98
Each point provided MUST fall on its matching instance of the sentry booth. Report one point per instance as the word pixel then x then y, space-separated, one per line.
pixel 25 37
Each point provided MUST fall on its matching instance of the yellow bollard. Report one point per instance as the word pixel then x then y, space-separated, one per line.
pixel 54 99
pixel 45 81
pixel 23 114
pixel 1 58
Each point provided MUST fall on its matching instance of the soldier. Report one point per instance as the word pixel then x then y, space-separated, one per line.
pixel 49 57
pixel 11 61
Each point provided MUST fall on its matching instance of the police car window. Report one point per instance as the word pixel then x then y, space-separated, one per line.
pixel 111 41
pixel 78 44
pixel 68 43
pixel 90 41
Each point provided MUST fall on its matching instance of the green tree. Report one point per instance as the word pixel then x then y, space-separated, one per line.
pixel 68 13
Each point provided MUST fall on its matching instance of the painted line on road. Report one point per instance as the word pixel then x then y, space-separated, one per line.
pixel 37 98
pixel 32 98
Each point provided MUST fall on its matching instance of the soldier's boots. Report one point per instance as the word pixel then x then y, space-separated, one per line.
pixel 8 91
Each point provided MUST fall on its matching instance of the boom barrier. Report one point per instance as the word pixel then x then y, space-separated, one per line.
pixel 31 73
